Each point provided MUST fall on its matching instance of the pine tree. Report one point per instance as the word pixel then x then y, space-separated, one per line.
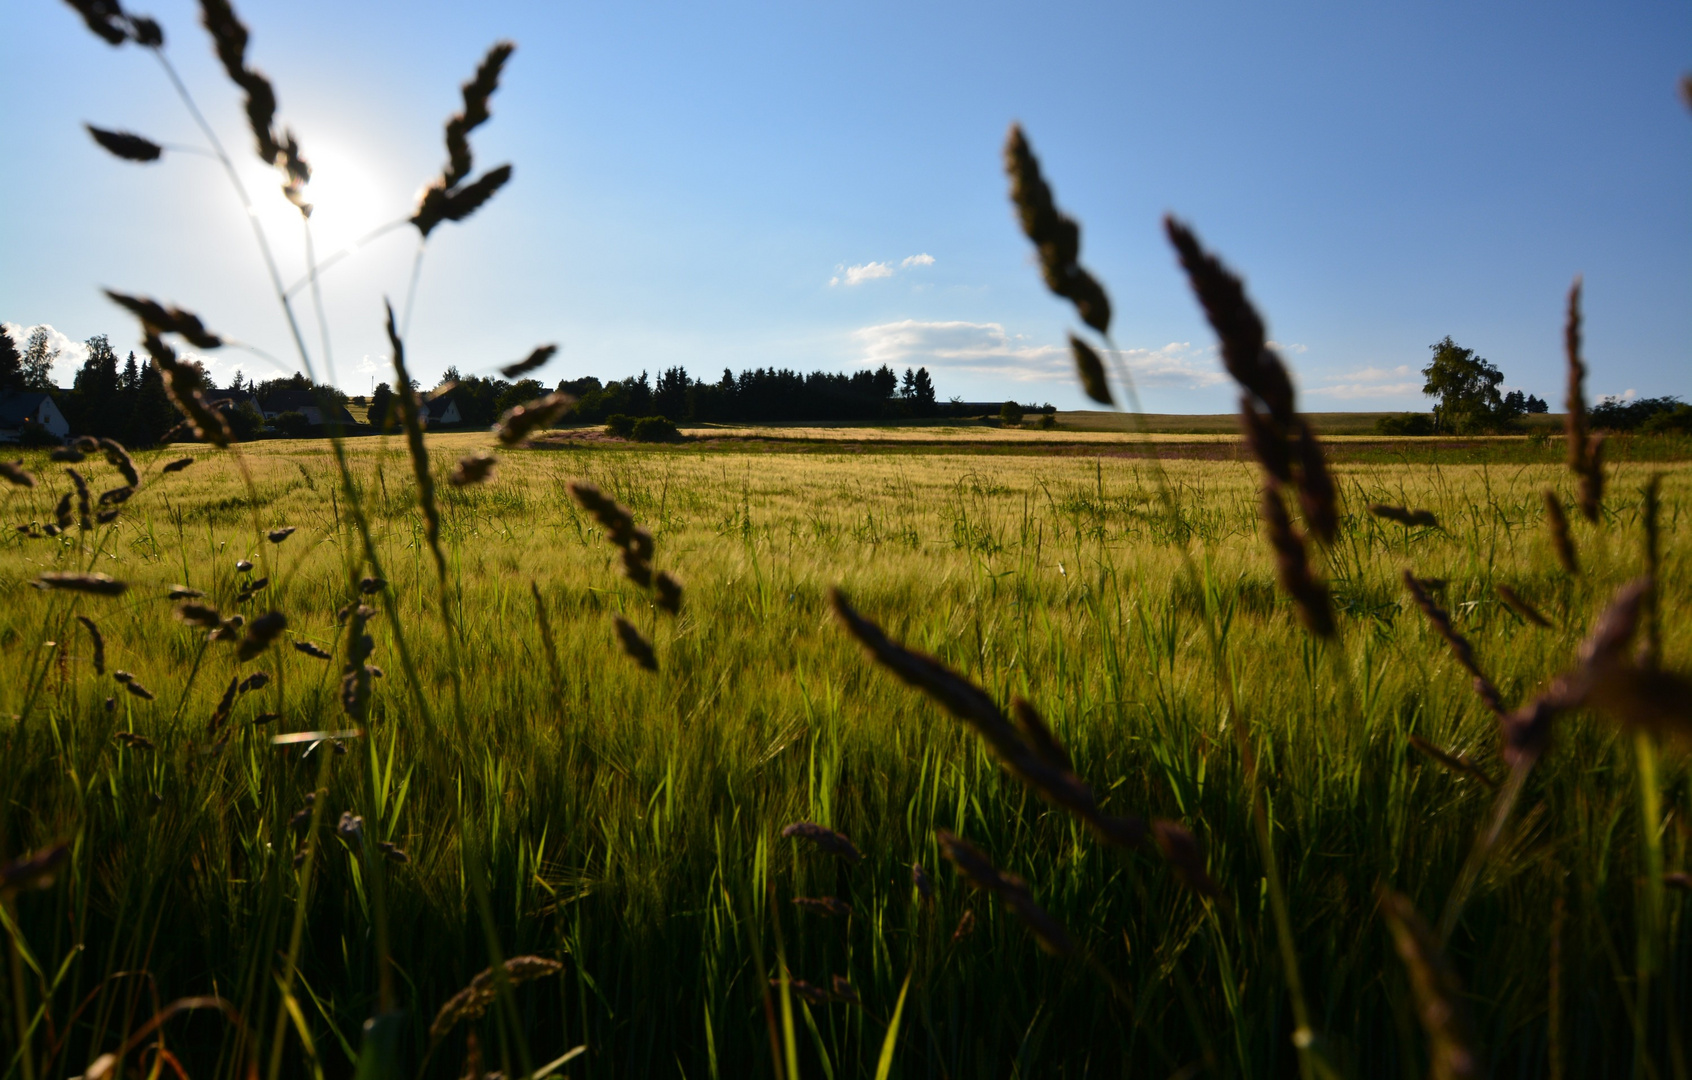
pixel 153 414
pixel 96 409
pixel 11 363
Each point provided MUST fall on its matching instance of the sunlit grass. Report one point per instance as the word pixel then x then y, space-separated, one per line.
pixel 627 823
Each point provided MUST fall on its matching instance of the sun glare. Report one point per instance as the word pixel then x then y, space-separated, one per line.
pixel 346 197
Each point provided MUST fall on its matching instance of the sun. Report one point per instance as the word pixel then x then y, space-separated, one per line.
pixel 347 198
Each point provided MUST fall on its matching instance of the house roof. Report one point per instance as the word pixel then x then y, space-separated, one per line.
pixel 437 408
pixel 281 401
pixel 20 407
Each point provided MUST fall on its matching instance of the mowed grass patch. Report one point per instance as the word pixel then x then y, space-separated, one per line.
pixel 628 823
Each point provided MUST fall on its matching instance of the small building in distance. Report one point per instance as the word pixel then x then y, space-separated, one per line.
pixel 304 402
pixel 441 411
pixel 20 412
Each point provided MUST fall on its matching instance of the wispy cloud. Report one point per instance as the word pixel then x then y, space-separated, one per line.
pixel 857 275
pixel 1371 382
pixel 988 349
pixel 73 354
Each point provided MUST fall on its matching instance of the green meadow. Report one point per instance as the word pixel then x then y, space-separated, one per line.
pixel 541 794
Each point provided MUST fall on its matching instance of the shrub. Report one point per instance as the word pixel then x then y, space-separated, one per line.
pixel 620 425
pixel 1412 423
pixel 1011 414
pixel 1677 420
pixel 655 429
pixel 1048 421
pixel 291 425
pixel 1615 414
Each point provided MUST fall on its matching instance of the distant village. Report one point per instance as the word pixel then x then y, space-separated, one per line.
pixel 126 400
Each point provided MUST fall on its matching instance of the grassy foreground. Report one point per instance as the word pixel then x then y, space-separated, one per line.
pixel 627 823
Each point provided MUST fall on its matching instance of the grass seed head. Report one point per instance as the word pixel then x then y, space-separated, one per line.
pixel 825 838
pixel 1317 496
pixel 276 536
pixel 522 420
pixel 411 420
pixel 280 151
pixel 1414 519
pixel 16 474
pixel 1292 565
pixel 99 643
pixel 260 633
pixel 130 684
pixel 35 870
pixel 965 927
pixel 118 458
pixel 1245 352
pixel 1181 850
pixel 637 569
pixel 923 883
pixel 1457 763
pixel 529 363
pixel 823 905
pixel 814 995
pixel 669 592
pixel 84 501
pixel 969 703
pixel 1039 736
pixel 1460 647
pixel 225 704
pixel 198 614
pixel 1436 988
pixel 978 868
pixel 1561 541
pixel 636 647
pixel 312 650
pixel 159 319
pixel 178 465
pixel 92 584
pixel 1055 236
pixel 62 512
pixel 472 1002
pixel 472 469
pixel 1091 370
pixel 126 144
pixel 842 990
pixel 1514 601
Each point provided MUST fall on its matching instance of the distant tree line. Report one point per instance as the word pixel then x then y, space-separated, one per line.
pixel 759 395
pixel 1654 414
pixel 126 400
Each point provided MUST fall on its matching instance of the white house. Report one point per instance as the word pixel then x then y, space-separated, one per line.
pixel 21 411
pixel 441 411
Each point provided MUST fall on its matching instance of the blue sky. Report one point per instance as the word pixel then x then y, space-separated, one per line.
pixel 818 186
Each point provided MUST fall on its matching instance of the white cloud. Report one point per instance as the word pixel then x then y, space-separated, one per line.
pixel 857 275
pixel 988 349
pixel 1371 382
pixel 71 353
pixel 1289 347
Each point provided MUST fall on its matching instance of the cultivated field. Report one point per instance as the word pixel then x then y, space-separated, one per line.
pixel 545 794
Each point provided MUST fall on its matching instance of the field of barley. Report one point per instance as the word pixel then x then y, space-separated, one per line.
pixel 521 786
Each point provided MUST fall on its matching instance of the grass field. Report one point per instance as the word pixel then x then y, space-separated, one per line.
pixel 550 797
